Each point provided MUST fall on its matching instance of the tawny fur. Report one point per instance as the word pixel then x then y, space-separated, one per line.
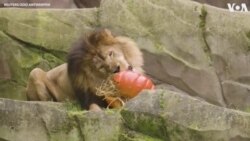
pixel 53 85
pixel 91 60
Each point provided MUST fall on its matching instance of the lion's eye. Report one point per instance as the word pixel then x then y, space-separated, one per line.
pixel 111 53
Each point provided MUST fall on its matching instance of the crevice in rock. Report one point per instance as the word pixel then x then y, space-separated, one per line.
pixel 207 48
pixel 221 87
pixel 2 139
pixel 98 17
pixel 202 26
pixel 60 21
pixel 78 123
pixel 46 129
pixel 57 53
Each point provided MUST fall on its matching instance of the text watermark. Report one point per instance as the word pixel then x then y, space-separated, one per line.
pixel 232 7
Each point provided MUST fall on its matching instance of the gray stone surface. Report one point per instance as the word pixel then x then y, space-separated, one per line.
pixel 158 115
pixel 36 38
pixel 171 116
pixel 173 42
pixel 29 121
pixel 48 121
pixel 194 47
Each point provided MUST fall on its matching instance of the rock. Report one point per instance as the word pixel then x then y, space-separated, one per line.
pixel 28 121
pixel 172 116
pixel 129 135
pixel 229 42
pixel 99 126
pixel 172 40
pixel 49 121
pixel 239 101
pixel 54 30
pixel 194 47
pixel 158 115
pixel 36 38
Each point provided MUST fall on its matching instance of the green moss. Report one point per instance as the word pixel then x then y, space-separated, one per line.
pixel 4 24
pixel 202 26
pixel 128 135
pixel 178 132
pixel 150 127
pixel 53 61
pixel 21 58
pixel 159 47
pixel 68 131
pixel 146 124
pixel 112 111
pixel 194 125
pixel 98 18
pixel 12 90
pixel 73 106
pixel 73 114
pixel 248 34
pixel 247 110
pixel 203 16
pixel 162 102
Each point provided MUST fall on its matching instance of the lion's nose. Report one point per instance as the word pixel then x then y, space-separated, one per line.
pixel 130 68
pixel 116 69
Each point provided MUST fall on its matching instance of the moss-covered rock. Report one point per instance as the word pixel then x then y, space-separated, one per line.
pixel 199 49
pixel 172 116
pixel 49 121
pixel 28 121
pixel 152 116
pixel 36 38
pixel 98 126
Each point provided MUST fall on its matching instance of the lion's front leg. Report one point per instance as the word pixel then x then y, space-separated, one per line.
pixel 94 107
pixel 36 88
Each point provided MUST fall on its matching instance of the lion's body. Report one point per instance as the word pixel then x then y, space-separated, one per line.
pixel 53 85
pixel 91 61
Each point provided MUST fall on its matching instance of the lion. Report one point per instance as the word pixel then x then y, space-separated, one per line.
pixel 91 60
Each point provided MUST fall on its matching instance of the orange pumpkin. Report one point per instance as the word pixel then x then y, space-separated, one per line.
pixel 130 83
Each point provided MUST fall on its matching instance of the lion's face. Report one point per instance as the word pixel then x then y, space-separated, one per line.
pixel 111 60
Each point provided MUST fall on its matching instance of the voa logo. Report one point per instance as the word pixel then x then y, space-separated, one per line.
pixel 237 7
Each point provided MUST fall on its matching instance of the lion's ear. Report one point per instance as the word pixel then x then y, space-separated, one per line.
pixel 103 36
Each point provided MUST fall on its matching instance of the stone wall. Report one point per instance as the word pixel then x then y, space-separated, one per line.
pixel 159 115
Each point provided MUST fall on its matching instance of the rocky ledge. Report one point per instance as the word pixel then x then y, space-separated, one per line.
pixel 158 115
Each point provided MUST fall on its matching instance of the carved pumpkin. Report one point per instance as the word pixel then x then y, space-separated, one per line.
pixel 130 83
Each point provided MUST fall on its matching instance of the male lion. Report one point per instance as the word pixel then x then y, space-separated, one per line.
pixel 90 61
